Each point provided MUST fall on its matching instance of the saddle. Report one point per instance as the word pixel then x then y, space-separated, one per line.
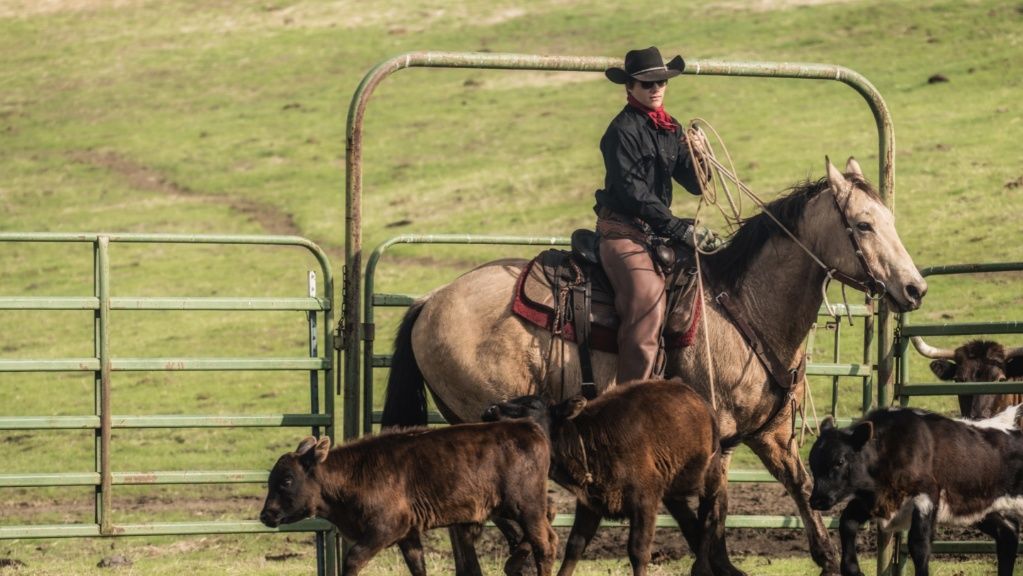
pixel 567 293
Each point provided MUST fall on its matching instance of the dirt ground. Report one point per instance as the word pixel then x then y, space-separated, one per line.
pixel 746 499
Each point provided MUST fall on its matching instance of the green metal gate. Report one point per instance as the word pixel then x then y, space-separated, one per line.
pixel 104 366
pixel 351 329
pixel 356 330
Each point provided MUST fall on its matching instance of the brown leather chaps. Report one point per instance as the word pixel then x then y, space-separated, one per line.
pixel 639 294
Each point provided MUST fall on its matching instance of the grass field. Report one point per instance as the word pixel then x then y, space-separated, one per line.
pixel 229 118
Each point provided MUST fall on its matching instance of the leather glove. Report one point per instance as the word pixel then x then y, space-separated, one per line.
pixel 677 229
pixel 704 238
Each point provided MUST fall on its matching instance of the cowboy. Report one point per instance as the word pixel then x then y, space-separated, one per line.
pixel 644 148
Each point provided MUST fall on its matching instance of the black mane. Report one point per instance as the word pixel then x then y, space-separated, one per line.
pixel 729 266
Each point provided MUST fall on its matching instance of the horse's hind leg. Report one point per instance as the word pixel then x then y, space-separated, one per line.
pixel 777 449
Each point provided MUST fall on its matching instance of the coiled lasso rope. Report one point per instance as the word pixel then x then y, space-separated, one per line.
pixel 701 153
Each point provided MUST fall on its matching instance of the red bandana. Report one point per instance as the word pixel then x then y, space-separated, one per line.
pixel 660 118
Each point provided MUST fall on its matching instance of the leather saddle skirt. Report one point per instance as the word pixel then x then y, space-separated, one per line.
pixel 545 291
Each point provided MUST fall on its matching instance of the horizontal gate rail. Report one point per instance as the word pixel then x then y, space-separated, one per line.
pixel 104 367
pixel 962 329
pixel 159 529
pixel 164 364
pixel 134 478
pixel 164 421
pixel 153 303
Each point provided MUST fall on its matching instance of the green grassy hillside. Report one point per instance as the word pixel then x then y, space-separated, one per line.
pixel 230 118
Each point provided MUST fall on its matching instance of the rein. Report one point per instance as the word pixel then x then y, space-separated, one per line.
pixel 699 149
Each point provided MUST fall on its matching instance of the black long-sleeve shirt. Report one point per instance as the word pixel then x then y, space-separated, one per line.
pixel 641 161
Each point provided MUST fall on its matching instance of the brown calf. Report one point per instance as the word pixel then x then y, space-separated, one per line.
pixel 390 488
pixel 977 361
pixel 626 452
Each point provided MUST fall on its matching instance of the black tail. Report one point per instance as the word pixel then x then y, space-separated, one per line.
pixel 405 403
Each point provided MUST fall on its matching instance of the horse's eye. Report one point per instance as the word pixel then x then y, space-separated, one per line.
pixel 864 226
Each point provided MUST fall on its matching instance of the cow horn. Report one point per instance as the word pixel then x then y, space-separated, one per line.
pixel 930 351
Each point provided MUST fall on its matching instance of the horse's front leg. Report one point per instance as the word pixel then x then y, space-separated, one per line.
pixel 778 451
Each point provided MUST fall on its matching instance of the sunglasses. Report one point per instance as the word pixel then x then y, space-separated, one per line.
pixel 647 84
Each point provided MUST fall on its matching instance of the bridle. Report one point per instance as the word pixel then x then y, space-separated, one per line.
pixel 874 289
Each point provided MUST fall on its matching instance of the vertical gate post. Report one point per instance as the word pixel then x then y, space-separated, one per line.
pixel 104 498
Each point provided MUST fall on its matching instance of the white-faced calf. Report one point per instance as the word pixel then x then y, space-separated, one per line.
pixel 627 451
pixel 390 488
pixel 911 467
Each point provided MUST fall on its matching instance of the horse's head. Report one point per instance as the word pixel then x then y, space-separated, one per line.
pixel 853 232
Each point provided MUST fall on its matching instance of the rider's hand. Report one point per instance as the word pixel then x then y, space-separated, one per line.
pixel 678 229
pixel 704 238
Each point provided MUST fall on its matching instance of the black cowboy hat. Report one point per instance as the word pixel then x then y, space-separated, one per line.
pixel 645 66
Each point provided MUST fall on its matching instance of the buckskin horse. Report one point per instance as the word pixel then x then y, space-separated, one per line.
pixel 463 341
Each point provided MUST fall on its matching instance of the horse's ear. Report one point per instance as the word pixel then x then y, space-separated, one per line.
pixel 853 167
pixel 838 182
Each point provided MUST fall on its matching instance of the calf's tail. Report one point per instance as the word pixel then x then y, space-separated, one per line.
pixel 405 401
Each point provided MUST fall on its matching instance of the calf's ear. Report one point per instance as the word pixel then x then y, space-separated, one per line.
pixel 305 445
pixel 861 433
pixel 827 424
pixel 570 408
pixel 312 451
pixel 322 449
pixel 943 369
